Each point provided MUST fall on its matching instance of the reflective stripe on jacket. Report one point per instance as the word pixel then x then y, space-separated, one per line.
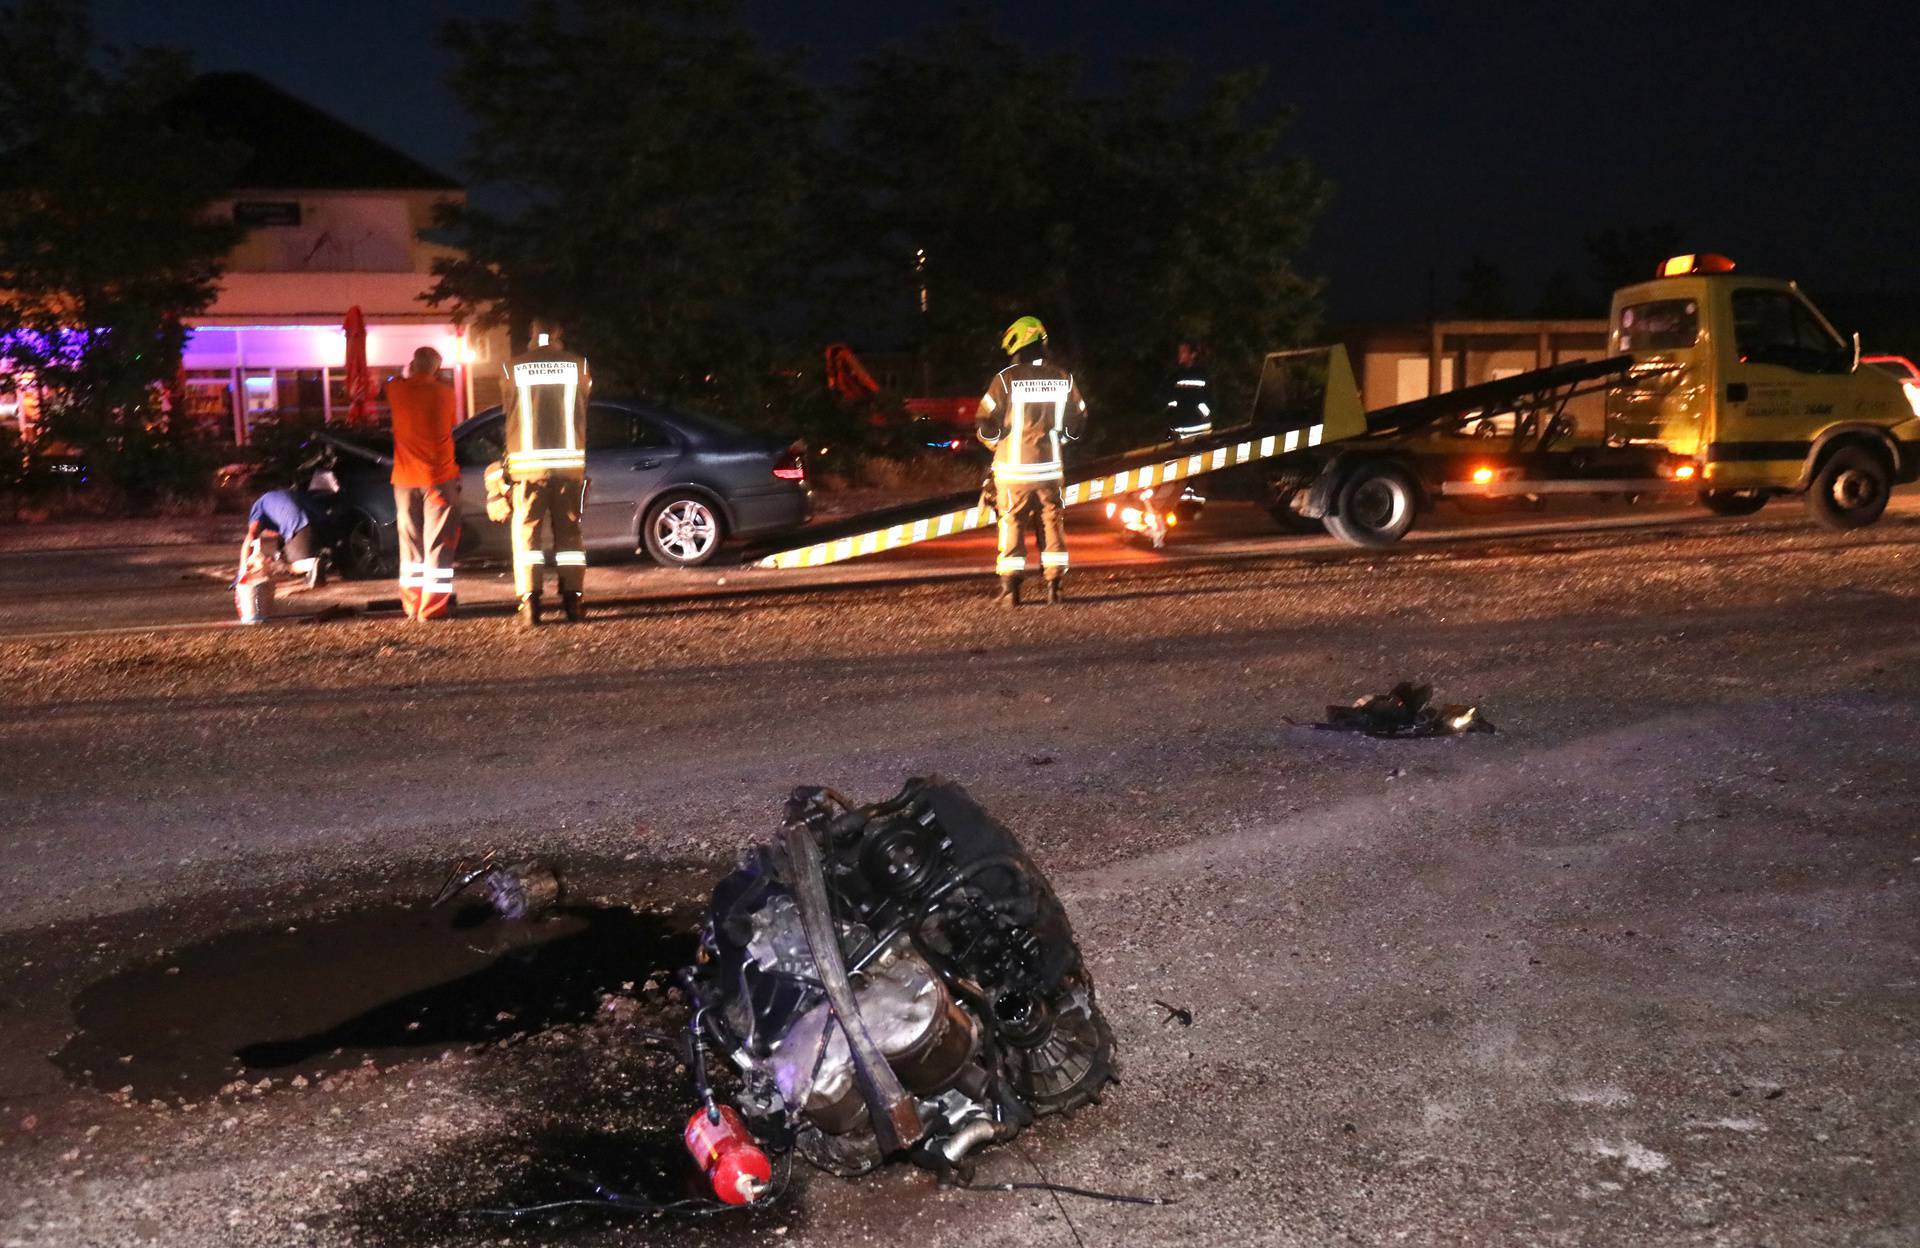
pixel 546 413
pixel 1189 403
pixel 1028 412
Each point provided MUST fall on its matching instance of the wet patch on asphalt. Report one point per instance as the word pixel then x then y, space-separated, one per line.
pixel 386 983
pixel 596 1122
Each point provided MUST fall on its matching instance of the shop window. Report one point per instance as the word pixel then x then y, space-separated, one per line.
pixel 210 402
pixel 300 394
pixel 377 410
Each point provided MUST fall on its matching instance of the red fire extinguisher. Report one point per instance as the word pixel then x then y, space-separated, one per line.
pixel 727 1154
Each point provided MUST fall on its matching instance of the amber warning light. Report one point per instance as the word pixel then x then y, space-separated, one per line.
pixel 1704 262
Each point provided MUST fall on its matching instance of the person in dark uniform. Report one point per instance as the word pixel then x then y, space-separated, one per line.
pixel 1189 395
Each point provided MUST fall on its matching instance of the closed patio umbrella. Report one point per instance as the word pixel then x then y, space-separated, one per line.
pixel 360 382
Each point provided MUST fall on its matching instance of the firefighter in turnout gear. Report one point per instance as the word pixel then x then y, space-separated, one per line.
pixel 546 462
pixel 1029 412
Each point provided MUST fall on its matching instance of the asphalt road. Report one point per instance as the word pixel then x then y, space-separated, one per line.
pixel 109 585
pixel 1641 968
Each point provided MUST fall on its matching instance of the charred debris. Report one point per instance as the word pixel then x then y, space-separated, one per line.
pixel 893 981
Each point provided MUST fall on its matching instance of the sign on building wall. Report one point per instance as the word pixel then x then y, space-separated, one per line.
pixel 254 212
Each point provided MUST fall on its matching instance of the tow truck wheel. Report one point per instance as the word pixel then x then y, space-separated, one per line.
pixel 1376 506
pixel 1733 502
pixel 1851 488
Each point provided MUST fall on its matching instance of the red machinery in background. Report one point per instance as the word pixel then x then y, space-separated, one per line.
pixel 944 423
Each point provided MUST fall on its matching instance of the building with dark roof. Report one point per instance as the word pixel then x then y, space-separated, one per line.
pixel 335 221
pixel 291 145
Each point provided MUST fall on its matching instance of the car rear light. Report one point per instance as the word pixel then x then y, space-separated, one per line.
pixel 792 466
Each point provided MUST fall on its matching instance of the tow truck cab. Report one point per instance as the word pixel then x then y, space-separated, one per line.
pixel 1744 375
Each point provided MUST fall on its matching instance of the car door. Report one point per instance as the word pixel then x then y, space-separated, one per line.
pixel 1789 375
pixel 629 457
pixel 478 446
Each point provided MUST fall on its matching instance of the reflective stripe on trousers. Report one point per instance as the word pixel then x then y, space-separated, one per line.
pixel 1022 505
pixel 427 525
pixel 547 509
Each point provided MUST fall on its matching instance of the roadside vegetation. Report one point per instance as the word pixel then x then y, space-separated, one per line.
pixel 700 214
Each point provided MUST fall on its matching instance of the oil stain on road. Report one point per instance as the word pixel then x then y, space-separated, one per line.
pixel 383 983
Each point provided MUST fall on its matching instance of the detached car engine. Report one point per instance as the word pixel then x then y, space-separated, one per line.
pixel 895 980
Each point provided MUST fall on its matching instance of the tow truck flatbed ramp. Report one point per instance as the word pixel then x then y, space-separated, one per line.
pixel 1306 398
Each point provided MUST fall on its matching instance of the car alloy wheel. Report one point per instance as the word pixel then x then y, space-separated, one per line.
pixel 686 530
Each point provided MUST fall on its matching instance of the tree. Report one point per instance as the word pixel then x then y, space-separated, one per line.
pixel 1167 209
pixel 656 167
pixel 105 245
pixel 1562 299
pixel 1623 256
pixel 1483 291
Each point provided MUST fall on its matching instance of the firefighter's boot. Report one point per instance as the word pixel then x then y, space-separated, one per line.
pixel 1056 591
pixel 1009 595
pixel 529 611
pixel 570 603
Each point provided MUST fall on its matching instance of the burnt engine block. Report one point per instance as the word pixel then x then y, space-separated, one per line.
pixel 961 964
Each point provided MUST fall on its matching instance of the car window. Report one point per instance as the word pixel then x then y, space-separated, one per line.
pixel 1659 325
pixel 482 446
pixel 617 429
pixel 1774 327
pixel 1812 334
pixel 609 429
pixel 650 435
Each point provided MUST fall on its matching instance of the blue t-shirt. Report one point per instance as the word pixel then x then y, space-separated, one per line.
pixel 283 511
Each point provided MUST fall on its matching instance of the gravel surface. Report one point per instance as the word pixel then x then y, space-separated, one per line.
pixel 1640 968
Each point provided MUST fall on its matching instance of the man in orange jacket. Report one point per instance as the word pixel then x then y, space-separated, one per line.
pixel 426 486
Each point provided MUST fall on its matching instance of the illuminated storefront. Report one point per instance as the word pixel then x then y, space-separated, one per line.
pixel 238 375
pixel 335 219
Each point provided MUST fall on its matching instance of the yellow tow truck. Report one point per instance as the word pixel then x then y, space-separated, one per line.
pixel 1746 377
pixel 1730 387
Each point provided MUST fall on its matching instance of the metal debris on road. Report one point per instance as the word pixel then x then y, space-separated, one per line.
pixel 1175 1014
pixel 1407 710
pixel 520 890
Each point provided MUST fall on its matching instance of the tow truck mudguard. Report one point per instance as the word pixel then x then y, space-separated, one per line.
pixel 1323 495
pixel 1904 456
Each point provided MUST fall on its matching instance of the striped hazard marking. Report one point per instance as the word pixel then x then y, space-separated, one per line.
pixel 966 520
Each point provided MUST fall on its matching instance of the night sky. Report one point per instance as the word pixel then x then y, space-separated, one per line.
pixel 1790 141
